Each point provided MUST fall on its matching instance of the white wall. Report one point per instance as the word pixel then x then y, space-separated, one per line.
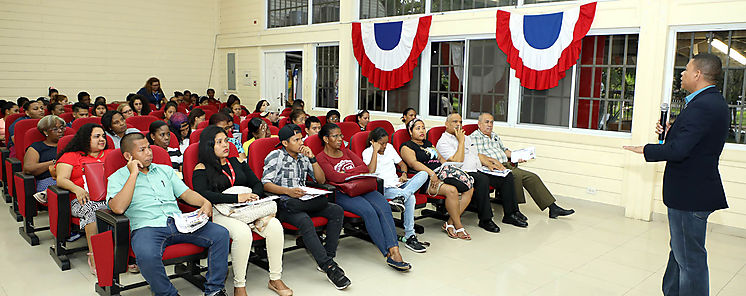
pixel 107 48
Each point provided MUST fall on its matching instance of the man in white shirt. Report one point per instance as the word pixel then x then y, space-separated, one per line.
pixel 456 147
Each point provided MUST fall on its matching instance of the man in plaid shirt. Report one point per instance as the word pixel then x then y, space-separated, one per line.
pixel 489 144
pixel 285 172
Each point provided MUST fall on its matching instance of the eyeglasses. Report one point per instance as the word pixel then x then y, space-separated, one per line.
pixel 128 111
pixel 60 129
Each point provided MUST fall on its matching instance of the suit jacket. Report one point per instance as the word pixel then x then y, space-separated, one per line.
pixel 691 181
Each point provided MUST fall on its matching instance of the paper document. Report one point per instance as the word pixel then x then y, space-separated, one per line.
pixel 524 154
pixel 237 190
pixel 190 222
pixel 361 176
pixel 499 173
pixel 249 203
pixel 312 192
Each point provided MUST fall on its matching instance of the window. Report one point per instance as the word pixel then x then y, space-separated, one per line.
pixel 730 46
pixel 284 13
pixel 384 8
pixel 604 88
pixel 488 81
pixel 446 77
pixel 449 5
pixel 327 76
pixel 395 101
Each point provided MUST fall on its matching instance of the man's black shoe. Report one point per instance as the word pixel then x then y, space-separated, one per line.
pixel 521 216
pixel 514 220
pixel 556 212
pixel 489 226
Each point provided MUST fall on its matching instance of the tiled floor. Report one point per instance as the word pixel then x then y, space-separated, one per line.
pixel 594 252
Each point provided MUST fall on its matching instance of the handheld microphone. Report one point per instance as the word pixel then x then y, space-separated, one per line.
pixel 664 115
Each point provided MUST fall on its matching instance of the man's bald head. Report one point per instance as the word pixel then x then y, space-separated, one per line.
pixel 127 144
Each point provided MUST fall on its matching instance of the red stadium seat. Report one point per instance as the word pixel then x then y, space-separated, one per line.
pixel 254 114
pixel 203 124
pixel 67 116
pixel 25 186
pixel 14 164
pixel 302 129
pixel 358 143
pixel 194 137
pixel 348 130
pixel 141 122
pixel 181 108
pixel 350 118
pixel 4 155
pixel 433 135
pixel 112 106
pixel 158 114
pixel 322 119
pixel 82 121
pixel 274 130
pixel 286 112
pixel 470 128
pixel 385 124
pixel 206 108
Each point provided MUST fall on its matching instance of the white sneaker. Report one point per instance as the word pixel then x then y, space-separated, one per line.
pixel 41 197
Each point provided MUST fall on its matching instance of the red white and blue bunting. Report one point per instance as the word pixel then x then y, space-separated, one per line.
pixel 540 48
pixel 387 52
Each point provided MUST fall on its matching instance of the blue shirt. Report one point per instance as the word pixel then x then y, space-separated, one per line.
pixel 12 128
pixel 154 198
pixel 694 94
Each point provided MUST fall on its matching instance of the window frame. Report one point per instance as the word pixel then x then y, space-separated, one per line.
pixel 309 16
pixel 671 59
pixel 316 46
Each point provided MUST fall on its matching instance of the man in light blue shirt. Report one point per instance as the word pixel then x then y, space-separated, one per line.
pixel 146 193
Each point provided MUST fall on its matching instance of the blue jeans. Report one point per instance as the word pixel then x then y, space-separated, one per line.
pixel 407 191
pixel 376 213
pixel 686 273
pixel 148 243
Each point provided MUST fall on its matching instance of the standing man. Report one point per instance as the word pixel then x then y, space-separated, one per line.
pixel 692 188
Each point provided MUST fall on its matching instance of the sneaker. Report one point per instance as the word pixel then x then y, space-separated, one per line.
pixel 413 244
pixel 337 277
pixel 397 204
pixel 41 197
pixel 399 266
pixel 73 237
pixel 218 293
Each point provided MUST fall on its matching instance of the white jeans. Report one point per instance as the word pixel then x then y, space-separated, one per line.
pixel 241 235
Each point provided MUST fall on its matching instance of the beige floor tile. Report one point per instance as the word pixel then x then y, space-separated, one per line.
pixel 578 284
pixel 612 272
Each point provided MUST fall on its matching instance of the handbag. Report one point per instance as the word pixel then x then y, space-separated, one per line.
pixel 247 213
pixel 358 186
pixel 93 181
pixel 451 171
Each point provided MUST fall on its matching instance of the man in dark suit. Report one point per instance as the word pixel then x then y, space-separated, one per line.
pixel 692 188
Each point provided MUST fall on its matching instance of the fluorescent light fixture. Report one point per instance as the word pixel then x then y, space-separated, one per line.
pixel 719 45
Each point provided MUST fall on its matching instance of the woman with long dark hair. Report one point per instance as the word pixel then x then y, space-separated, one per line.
pixel 168 110
pixel 196 117
pixel 139 105
pixel 261 106
pixel 115 126
pixel 88 145
pixel 217 172
pixel 153 93
pixel 339 164
pixel 257 130
pixel 408 115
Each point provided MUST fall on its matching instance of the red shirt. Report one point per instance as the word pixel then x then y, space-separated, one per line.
pixel 337 169
pixel 77 159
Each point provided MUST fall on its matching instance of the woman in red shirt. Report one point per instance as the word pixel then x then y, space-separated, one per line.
pixel 88 145
pixel 339 164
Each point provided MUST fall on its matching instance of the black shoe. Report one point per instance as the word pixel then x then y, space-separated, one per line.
pixel 556 212
pixel 521 216
pixel 337 277
pixel 489 225
pixel 397 204
pixel 514 220
pixel 413 244
pixel 219 293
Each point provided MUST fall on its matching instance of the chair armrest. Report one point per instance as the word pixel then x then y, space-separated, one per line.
pixel 59 211
pixel 120 229
pixel 4 154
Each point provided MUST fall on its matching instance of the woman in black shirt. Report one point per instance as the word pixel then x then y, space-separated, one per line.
pixel 41 155
pixel 217 172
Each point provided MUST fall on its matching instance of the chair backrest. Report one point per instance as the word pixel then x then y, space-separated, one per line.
pixel 302 129
pixel 194 137
pixel 158 114
pixel 269 123
pixel 359 142
pixel 208 113
pixel 203 124
pixel 70 132
pixel 112 106
pixel 433 135
pixel 314 142
pixel 67 116
pixel 31 136
pixel 254 114
pixel 232 150
pixel 191 159
pixel 115 160
pixel 244 124
pixel 141 122
pixel 350 118
pixel 470 128
pixel 181 108
pixel 68 107
pixel 205 108
pixel 20 135
pixel 322 119
pixel 348 129
pixel 82 121
pixel 286 112
pixel 12 118
pixel 273 130
pixel 259 152
pixel 173 142
pixel 400 137
pixel 385 124
pixel 283 121
pixel 153 107
pixel 62 143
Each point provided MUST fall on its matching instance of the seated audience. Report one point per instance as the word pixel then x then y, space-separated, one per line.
pixel 261 106
pixel 88 145
pixel 21 101
pixel 297 117
pixel 406 117
pixel 234 103
pixel 80 110
pixel 85 98
pixel 152 93
pixel 159 134
pixel 362 119
pixel 225 122
pixel 257 130
pixel 196 116
pixel 382 159
pixel 41 155
pixel 180 127
pixel 313 126
pixel 339 164
pixel 333 116
pixel 488 143
pixel 285 171
pixel 139 105
pixel 217 172
pixel 115 126
pixel 454 146
pixel 272 114
pixel 99 99
pixel 298 105
pixel 126 110
pixel 52 92
pixel 56 109
pixel 449 181
pixel 168 110
pixel 6 109
pixel 146 193
pixel 59 98
pixel 99 108
pixel 34 110
pixel 211 96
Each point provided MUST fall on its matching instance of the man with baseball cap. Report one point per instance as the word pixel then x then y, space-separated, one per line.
pixel 285 172
pixel 272 112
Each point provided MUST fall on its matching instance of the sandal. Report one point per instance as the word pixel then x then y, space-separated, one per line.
pixel 445 228
pixel 465 235
pixel 90 265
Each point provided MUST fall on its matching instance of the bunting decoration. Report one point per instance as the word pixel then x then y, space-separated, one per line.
pixel 540 48
pixel 387 52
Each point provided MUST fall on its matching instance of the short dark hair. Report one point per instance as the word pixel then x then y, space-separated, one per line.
pixel 710 65
pixel 100 99
pixel 108 118
pixel 83 94
pixel 295 114
pixel 77 106
pixel 21 101
pixel 333 112
pixel 376 135
pixel 194 114
pixel 220 117
pixel 125 144
pixel 298 104
pixel 312 119
pixel 53 105
pixel 210 90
